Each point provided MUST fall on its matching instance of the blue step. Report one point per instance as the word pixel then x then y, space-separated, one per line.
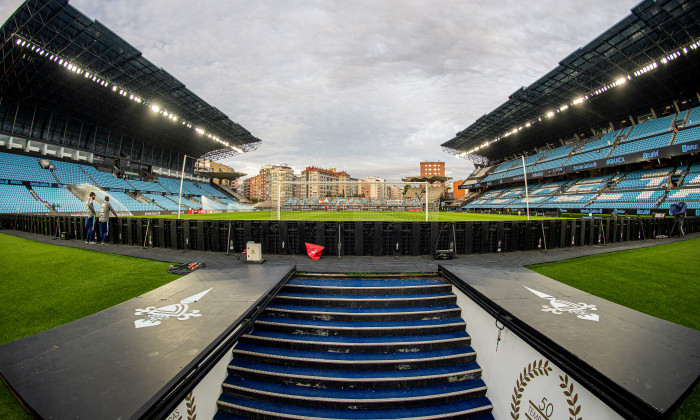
pixel 367 286
pixel 358 301
pixel 356 282
pixel 459 409
pixel 400 360
pixel 355 378
pixel 355 397
pixel 360 344
pixel 358 328
pixel 358 314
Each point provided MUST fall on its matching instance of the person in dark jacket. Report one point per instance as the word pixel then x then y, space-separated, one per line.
pixel 104 219
pixel 90 219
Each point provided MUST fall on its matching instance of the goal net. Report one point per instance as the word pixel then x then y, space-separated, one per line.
pixel 355 201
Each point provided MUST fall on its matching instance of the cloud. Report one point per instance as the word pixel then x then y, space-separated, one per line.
pixel 370 87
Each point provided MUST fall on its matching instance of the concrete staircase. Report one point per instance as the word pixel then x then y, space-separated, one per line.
pixel 342 348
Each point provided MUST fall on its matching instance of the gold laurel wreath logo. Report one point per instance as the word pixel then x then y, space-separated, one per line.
pixel 571 397
pixel 532 371
pixel 542 368
pixel 191 408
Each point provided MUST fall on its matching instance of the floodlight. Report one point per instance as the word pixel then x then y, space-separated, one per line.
pixel 550 114
pixel 620 81
pixel 19 41
pixel 155 108
pixel 114 88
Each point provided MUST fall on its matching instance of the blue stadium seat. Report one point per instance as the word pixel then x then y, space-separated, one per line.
pixel 693 117
pixel 642 145
pixel 105 179
pixel 651 128
pixel 24 168
pixel 146 186
pixel 71 173
pixel 62 200
pixel 687 135
pixel 18 199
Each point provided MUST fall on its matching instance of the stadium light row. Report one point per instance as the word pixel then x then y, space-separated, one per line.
pixel 620 81
pixel 93 77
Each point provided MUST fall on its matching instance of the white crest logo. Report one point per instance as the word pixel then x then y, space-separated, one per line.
pixel 558 307
pixel 181 311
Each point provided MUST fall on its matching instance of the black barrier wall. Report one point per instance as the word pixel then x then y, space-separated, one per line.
pixel 358 238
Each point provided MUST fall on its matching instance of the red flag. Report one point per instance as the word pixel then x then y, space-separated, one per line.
pixel 314 251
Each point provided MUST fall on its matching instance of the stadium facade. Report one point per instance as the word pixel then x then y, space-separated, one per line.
pixel 86 103
pixel 615 126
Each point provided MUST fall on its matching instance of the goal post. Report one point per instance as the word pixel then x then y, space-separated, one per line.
pixel 355 200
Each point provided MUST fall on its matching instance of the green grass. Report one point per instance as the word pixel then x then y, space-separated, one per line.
pixel 44 286
pixel 354 216
pixel 662 281
pixel 84 282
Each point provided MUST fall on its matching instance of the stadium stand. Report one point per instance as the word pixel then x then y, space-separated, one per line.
pixel 105 179
pixel 693 117
pixel 24 168
pixel 210 191
pixel 62 200
pixel 18 199
pixel 162 201
pixel 642 145
pixel 146 186
pixel 641 189
pixel 687 135
pixel 570 200
pixel 173 186
pixel 590 156
pixel 71 173
pixel 651 128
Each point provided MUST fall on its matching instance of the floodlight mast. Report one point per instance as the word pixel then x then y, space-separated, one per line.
pixel 527 195
pixel 182 180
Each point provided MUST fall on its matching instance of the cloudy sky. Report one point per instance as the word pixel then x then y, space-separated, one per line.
pixel 371 87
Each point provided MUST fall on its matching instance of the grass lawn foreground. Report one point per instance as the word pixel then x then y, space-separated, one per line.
pixel 662 281
pixel 44 286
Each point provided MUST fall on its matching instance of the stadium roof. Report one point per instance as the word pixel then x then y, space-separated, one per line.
pixel 647 60
pixel 56 58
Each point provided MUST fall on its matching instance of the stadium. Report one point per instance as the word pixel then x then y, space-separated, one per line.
pixel 412 308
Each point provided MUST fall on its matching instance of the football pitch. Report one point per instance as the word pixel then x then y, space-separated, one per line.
pixel 353 216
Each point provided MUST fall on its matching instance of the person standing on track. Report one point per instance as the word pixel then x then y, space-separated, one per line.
pixel 90 219
pixel 104 219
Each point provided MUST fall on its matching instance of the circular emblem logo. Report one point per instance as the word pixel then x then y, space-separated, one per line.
pixel 542 401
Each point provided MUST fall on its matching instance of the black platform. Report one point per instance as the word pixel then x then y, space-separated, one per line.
pixel 633 358
pixel 115 363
